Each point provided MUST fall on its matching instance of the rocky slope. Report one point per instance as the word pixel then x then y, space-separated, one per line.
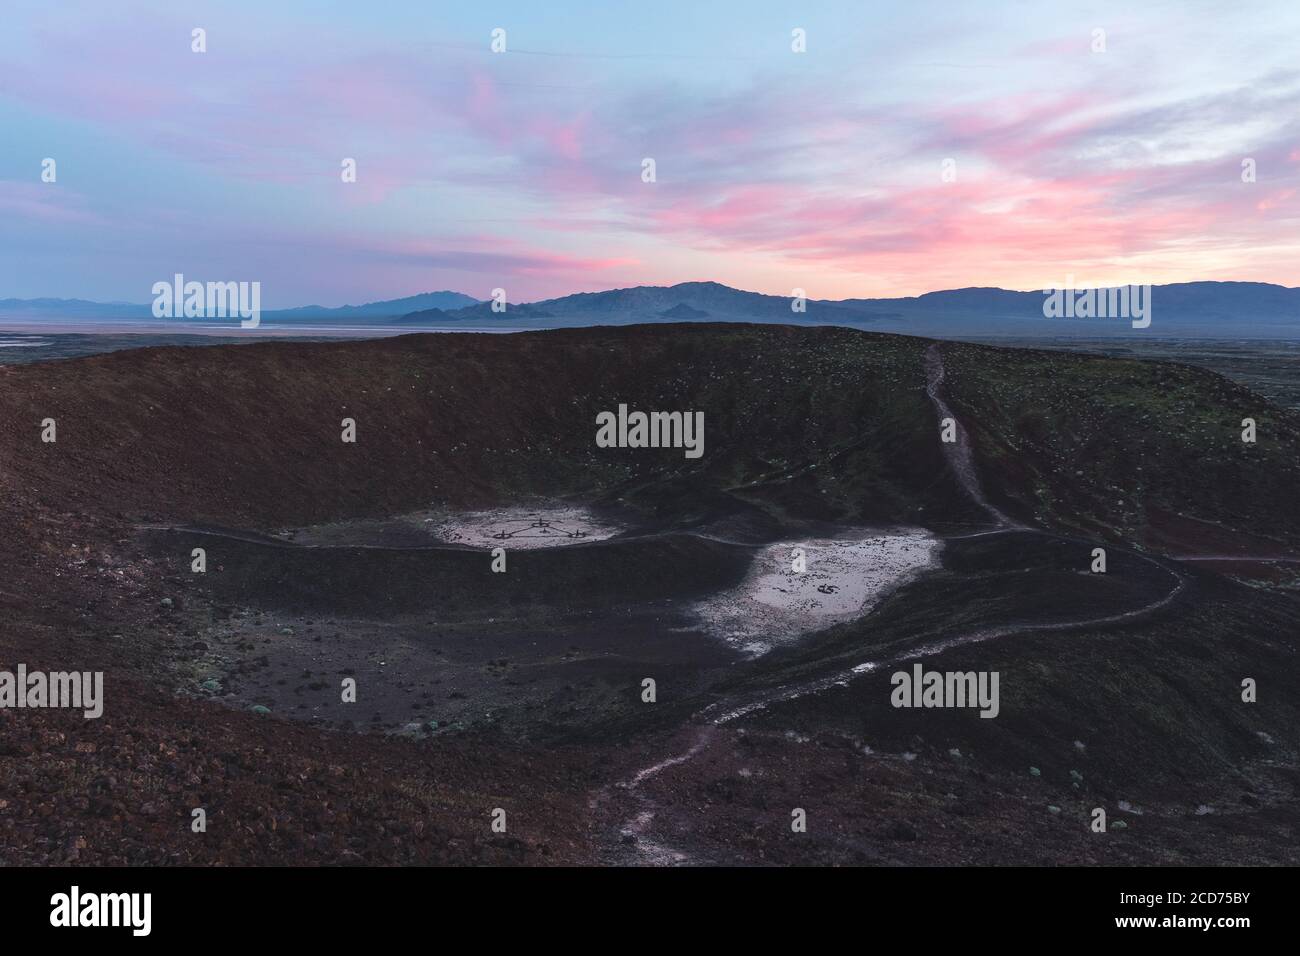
pixel 805 429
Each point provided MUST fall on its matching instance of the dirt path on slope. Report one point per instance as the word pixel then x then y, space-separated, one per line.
pixel 635 847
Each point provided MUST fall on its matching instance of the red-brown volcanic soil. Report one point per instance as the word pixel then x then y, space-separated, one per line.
pixel 809 430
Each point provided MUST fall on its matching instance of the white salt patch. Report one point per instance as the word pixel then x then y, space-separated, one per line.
pixel 516 528
pixel 844 579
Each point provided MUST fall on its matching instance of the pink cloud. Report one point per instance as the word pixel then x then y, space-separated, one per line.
pixel 37 201
pixel 822 179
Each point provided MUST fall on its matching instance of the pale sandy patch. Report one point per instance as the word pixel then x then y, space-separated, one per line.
pixel 845 578
pixel 516 528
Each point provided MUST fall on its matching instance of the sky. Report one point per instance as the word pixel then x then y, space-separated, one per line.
pixel 911 147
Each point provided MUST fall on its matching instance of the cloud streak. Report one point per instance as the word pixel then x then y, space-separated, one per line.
pixel 820 170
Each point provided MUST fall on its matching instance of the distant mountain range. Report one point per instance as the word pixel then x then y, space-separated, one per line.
pixel 686 301
pixel 1199 309
pixel 388 309
pixel 1205 309
pixel 1191 307
pixel 128 311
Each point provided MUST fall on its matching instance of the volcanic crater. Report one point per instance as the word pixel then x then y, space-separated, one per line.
pixel 524 686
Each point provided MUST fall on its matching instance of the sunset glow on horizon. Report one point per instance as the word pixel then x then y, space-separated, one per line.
pixel 821 170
